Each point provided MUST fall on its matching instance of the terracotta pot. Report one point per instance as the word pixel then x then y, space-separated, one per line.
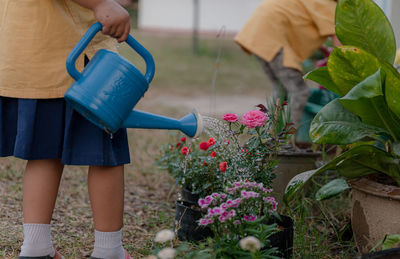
pixel 291 163
pixel 375 212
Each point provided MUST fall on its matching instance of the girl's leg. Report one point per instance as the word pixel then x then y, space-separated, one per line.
pixel 40 189
pixel 106 192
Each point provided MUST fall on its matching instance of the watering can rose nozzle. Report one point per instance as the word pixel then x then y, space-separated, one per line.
pixel 200 124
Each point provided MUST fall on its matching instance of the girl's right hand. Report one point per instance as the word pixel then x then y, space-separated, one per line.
pixel 114 18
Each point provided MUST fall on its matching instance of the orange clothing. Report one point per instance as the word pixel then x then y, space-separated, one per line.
pixel 36 37
pixel 298 26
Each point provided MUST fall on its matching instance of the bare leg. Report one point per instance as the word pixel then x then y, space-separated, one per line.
pixel 40 188
pixel 106 192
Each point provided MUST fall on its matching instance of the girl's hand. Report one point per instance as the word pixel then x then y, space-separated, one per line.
pixel 114 18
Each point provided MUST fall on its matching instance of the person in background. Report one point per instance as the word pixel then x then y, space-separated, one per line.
pixel 281 34
pixel 37 125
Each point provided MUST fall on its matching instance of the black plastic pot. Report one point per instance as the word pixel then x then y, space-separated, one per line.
pixel 189 197
pixel 393 253
pixel 283 240
pixel 186 223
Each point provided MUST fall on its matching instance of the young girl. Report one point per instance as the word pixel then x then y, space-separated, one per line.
pixel 37 125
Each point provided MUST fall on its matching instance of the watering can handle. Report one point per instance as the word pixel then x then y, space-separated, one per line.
pixel 89 35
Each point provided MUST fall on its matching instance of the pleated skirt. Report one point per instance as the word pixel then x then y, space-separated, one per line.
pixel 33 129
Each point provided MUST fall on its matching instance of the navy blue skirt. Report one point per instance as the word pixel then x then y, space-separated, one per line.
pixel 34 129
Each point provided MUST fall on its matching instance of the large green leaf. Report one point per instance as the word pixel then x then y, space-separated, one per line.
pixel 373 160
pixel 322 77
pixel 331 189
pixel 298 182
pixel 356 162
pixel 366 100
pixel 348 66
pixel 363 24
pixel 352 169
pixel 392 88
pixel 336 125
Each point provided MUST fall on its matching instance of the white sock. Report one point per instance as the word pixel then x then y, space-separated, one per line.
pixel 37 240
pixel 108 245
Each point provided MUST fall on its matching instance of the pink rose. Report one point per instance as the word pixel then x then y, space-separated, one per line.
pixel 254 118
pixel 230 117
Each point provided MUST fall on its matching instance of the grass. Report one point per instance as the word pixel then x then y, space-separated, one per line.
pixel 179 71
pixel 150 193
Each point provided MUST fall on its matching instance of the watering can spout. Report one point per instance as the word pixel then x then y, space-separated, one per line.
pixel 191 124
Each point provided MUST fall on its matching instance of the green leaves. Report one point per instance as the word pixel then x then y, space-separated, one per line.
pixel 336 125
pixel 332 189
pixel 366 100
pixel 348 66
pixel 322 77
pixel 356 162
pixel 361 23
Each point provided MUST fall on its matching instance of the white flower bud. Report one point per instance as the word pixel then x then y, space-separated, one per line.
pixel 164 236
pixel 250 243
pixel 167 253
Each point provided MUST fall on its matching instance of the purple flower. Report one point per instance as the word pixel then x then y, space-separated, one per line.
pixel 222 219
pixel 211 212
pixel 215 195
pixel 205 222
pixel 237 222
pixel 209 199
pixel 224 206
pixel 249 218
pixel 237 184
pixel 232 213
pixel 218 211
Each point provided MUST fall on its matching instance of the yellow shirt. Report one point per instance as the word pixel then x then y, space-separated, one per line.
pixel 298 26
pixel 36 37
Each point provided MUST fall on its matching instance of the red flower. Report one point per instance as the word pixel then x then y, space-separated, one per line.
pixel 185 151
pixel 183 139
pixel 211 141
pixel 247 180
pixel 171 147
pixel 178 144
pixel 284 103
pixel 213 154
pixel 223 166
pixel 204 163
pixel 204 145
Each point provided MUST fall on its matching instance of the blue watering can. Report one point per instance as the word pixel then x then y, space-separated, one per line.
pixel 110 86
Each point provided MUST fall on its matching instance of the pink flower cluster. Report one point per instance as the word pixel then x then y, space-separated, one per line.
pixel 204 203
pixel 206 221
pixel 272 201
pixel 236 206
pixel 224 212
pixel 250 194
pixel 253 118
pixel 250 218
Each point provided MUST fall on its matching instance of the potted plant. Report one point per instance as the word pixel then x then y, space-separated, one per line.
pixel 365 119
pixel 238 149
pixel 242 210
pixel 244 149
